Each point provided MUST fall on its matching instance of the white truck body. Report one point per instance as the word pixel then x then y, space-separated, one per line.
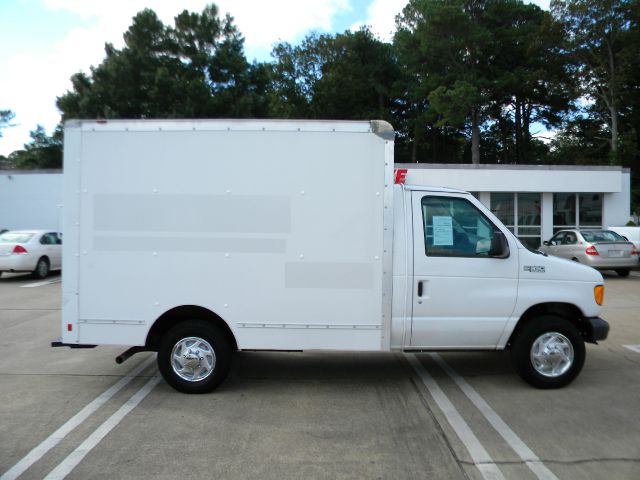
pixel 293 234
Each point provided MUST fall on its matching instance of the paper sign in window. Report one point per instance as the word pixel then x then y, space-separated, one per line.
pixel 442 231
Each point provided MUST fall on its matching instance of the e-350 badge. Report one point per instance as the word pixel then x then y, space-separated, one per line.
pixel 534 268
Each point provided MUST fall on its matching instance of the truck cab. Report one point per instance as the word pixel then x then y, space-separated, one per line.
pixel 463 281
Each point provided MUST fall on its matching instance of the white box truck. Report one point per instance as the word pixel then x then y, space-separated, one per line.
pixel 199 238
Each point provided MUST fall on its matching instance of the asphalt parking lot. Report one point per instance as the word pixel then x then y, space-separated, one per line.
pixel 76 414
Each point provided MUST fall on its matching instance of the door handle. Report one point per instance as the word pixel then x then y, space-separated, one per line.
pixel 420 289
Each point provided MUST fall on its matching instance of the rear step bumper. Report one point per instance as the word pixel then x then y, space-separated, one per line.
pixel 59 343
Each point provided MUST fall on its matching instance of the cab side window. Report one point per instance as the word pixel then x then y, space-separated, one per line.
pixel 454 227
pixel 569 239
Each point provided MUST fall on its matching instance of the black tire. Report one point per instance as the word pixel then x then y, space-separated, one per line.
pixel 624 272
pixel 523 343
pixel 177 337
pixel 42 268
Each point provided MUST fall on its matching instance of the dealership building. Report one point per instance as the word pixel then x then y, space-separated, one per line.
pixel 533 201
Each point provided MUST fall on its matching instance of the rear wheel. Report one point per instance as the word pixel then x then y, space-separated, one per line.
pixel 194 356
pixel 624 272
pixel 548 352
pixel 42 268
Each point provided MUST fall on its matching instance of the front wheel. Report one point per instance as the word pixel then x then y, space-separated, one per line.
pixel 548 352
pixel 194 356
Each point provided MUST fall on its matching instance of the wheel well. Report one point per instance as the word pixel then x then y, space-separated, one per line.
pixel 567 311
pixel 180 314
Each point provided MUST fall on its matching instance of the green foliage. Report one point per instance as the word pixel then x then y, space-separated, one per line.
pixel 193 69
pixel 42 152
pixel 483 62
pixel 346 76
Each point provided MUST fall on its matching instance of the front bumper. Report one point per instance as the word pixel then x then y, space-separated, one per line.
pixel 597 329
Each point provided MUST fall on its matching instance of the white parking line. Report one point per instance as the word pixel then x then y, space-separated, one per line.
pixel 40 284
pixel 509 436
pixel 635 348
pixel 480 457
pixel 64 468
pixel 52 440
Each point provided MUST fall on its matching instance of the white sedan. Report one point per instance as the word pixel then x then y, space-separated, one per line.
pixel 36 251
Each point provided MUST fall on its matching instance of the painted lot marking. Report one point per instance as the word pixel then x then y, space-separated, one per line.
pixel 52 440
pixel 524 452
pixel 42 283
pixel 635 348
pixel 481 458
pixel 64 468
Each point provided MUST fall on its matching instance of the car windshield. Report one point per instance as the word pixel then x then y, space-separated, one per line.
pixel 16 237
pixel 602 236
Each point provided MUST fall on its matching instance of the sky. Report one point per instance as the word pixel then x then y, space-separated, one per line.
pixel 44 42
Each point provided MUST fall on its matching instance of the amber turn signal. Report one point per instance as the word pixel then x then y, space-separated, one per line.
pixel 598 293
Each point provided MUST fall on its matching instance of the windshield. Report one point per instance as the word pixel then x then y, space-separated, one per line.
pixel 15 237
pixel 602 236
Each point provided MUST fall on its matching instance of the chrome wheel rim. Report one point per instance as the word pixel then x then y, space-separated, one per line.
pixel 193 359
pixel 552 354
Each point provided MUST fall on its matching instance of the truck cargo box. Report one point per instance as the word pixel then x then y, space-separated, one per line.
pixel 281 228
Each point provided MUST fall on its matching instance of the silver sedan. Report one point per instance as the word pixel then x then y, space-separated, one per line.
pixel 36 251
pixel 601 249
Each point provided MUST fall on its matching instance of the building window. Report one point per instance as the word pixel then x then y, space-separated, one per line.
pixel 503 207
pixel 590 208
pixel 520 213
pixel 577 210
pixel 564 211
pixel 528 228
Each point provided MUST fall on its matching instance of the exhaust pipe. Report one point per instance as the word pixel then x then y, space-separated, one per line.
pixel 129 353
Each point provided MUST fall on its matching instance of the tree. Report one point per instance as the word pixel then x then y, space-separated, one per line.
pixel 530 81
pixel 347 76
pixel 600 51
pixel 42 151
pixel 193 69
pixel 5 119
pixel 484 65
pixel 444 47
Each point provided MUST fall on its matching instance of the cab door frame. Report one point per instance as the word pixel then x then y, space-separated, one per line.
pixel 458 302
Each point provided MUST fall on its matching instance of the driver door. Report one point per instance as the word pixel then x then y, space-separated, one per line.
pixel 462 297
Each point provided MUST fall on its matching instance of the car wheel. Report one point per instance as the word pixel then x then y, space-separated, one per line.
pixel 623 272
pixel 194 356
pixel 548 352
pixel 42 268
pixel 574 259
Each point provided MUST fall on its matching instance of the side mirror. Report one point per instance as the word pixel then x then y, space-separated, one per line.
pixel 546 242
pixel 499 246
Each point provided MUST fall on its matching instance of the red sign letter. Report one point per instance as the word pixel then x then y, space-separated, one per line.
pixel 401 175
